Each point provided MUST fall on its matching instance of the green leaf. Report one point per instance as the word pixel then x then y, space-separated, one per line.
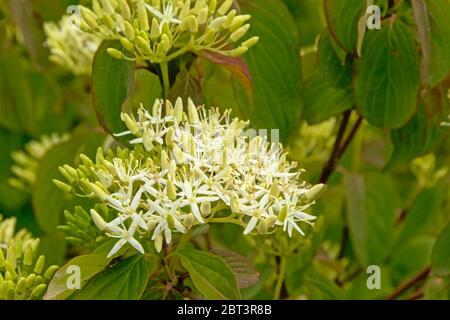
pixel 420 13
pixel 245 272
pixel 112 80
pixel 440 259
pixel 372 203
pixel 423 217
pixel 342 18
pixel 274 64
pixel 89 266
pixel 438 11
pixel 387 78
pixel 422 133
pixel 411 257
pixel 48 209
pixel 319 287
pixel 210 274
pixel 322 101
pixel 126 280
pixel 332 69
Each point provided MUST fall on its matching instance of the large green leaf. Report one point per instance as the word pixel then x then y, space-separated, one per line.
pixel 210 274
pixel 332 69
pixel 126 280
pixel 423 132
pixel 89 265
pixel 372 203
pixel 423 216
pixel 438 11
pixel 387 77
pixel 48 201
pixel 112 80
pixel 274 63
pixel 323 101
pixel 440 259
pixel 342 17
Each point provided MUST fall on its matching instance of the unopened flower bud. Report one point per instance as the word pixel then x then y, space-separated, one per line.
pixel 126 44
pixel 239 33
pixel 115 53
pixel 315 192
pixel 62 186
pixel 225 7
pixel 98 220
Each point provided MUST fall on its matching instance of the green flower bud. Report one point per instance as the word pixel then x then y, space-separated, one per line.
pixel 315 192
pixel 129 31
pixel 98 191
pixel 165 161
pixel 205 208
pixel 202 17
pixel 9 267
pixel 143 45
pixel 89 17
pixel 154 33
pixel 126 44
pixel 62 186
pixel 142 16
pixel 50 272
pixel 179 154
pixel 170 221
pixel 282 214
pixel 30 280
pixel 170 136
pixel 189 221
pixel 178 110
pixel 192 112
pixel 39 266
pixel 238 51
pixel 250 42
pixel 158 243
pixel 239 33
pixel 28 257
pixel 130 123
pixel 109 21
pixel 125 9
pixel 98 220
pixel 21 286
pixel 38 292
pixel 275 189
pixel 225 7
pixel 107 6
pixel 212 6
pixel 115 53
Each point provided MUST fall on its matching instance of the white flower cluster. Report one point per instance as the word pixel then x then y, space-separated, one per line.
pixel 160 30
pixel 70 47
pixel 191 168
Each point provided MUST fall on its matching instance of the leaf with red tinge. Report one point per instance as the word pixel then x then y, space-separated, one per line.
pixel 237 66
pixel 245 272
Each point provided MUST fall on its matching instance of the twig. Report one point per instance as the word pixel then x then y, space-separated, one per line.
pixel 331 164
pixel 350 137
pixel 419 277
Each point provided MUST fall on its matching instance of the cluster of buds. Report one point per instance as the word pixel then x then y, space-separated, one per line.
pixel 425 171
pixel 69 46
pixel 313 143
pixel 22 273
pixel 27 160
pixel 79 229
pixel 190 168
pixel 160 30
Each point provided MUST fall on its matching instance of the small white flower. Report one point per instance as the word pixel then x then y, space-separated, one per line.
pixel 124 236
